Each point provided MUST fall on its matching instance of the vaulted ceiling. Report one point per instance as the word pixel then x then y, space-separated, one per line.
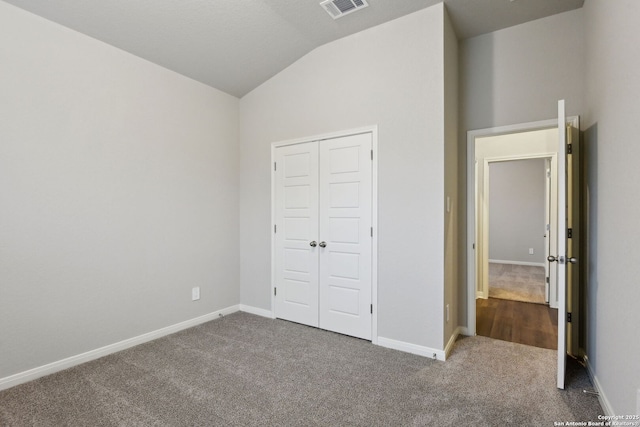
pixel 236 45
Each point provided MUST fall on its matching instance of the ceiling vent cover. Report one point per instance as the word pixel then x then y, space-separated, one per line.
pixel 339 8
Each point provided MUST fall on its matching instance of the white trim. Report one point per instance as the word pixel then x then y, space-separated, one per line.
pixel 257 311
pixel 452 341
pixel 504 261
pixel 373 130
pixel 465 331
pixel 420 350
pixel 552 157
pixel 374 241
pixel 50 368
pixel 602 398
pixel 349 132
pixel 471 202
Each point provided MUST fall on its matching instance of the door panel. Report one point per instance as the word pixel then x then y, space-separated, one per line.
pixel 568 239
pixel 562 244
pixel 296 213
pixel 345 220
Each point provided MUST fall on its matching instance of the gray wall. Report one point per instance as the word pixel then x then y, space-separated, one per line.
pixel 517 210
pixel 118 181
pixel 612 153
pixel 391 75
pixel 517 75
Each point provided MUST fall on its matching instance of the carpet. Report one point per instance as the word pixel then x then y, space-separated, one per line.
pixel 517 282
pixel 245 370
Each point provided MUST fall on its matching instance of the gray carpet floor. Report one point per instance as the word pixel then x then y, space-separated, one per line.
pixel 517 282
pixel 245 370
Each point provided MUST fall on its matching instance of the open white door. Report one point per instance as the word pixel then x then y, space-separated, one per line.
pixel 566 221
pixel 562 244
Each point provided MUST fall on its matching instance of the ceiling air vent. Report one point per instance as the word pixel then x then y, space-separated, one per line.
pixel 339 8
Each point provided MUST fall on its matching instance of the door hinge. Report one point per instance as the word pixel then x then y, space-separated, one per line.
pixel 371 154
pixel 547 279
pixel 570 233
pixel 568 317
pixel 371 306
pixel 275 168
pixel 371 231
pixel 473 246
pixel 570 149
pixel 275 291
pixel 275 228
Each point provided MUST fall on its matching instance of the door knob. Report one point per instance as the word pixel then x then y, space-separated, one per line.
pixel 551 258
pixel 323 244
pixel 313 244
pixel 573 260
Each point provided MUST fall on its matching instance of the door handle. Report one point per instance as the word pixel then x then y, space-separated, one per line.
pixel 323 244
pixel 313 244
pixel 561 259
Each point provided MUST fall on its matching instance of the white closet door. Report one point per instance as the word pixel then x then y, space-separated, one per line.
pixel 345 235
pixel 296 212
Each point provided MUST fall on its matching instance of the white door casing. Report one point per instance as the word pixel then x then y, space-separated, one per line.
pixel 345 228
pixel 340 248
pixel 507 146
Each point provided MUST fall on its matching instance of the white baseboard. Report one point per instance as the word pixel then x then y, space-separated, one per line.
pixel 602 398
pixel 465 331
pixel 502 261
pixel 431 353
pixel 257 311
pixel 50 368
pixel 452 341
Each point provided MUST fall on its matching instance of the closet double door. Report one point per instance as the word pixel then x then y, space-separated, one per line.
pixel 323 234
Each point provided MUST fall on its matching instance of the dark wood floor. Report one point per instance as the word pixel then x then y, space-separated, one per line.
pixel 521 322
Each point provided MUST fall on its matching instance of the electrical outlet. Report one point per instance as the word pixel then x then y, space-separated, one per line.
pixel 530 251
pixel 195 293
pixel 447 313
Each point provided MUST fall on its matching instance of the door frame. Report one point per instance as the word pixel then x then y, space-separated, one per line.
pixel 472 183
pixel 373 130
pixel 484 253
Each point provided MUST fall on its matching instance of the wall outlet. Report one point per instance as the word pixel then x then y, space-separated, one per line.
pixel 447 313
pixel 195 293
pixel 530 251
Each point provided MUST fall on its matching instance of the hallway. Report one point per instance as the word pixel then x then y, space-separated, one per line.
pixel 519 322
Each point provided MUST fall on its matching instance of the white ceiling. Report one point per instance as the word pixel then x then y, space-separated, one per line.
pixel 236 45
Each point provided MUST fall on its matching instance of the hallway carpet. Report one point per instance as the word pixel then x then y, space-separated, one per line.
pixel 524 283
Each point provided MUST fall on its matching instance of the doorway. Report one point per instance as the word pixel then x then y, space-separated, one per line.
pixel 515 191
pixel 561 261
pixel 518 197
